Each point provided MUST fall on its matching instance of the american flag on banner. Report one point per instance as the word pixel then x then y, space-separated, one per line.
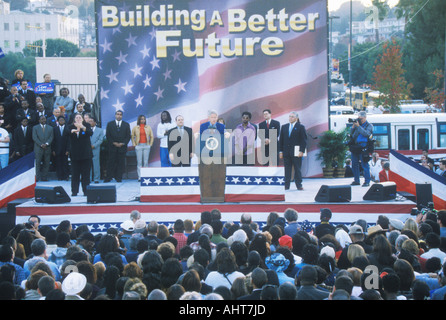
pixel 182 184
pixel 407 173
pixel 134 79
pixel 18 180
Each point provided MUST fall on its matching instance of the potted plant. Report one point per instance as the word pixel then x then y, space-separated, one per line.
pixel 332 151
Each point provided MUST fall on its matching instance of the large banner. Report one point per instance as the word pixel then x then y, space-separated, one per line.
pixel 188 57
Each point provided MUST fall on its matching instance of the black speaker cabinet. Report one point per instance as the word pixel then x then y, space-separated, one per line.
pixel 342 193
pixel 101 194
pixel 424 194
pixel 53 195
pixel 381 191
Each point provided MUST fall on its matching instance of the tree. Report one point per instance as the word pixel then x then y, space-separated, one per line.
pixel 388 78
pixel 54 47
pixel 13 61
pixel 362 63
pixel 424 44
pixel 435 96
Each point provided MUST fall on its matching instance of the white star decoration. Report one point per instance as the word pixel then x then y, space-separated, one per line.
pixel 258 180
pixel 136 71
pixel 112 76
pixel 147 181
pixel 159 94
pixel 176 56
pixel 167 74
pixel 246 180
pixel 121 58
pixel 104 93
pixel 155 63
pixel 181 86
pixel 131 40
pixel 147 81
pixel 235 180
pixel 127 88
pixel 139 100
pixel 118 105
pixel 145 52
pixel 106 46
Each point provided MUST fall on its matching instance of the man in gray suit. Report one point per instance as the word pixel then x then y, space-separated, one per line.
pixel 96 141
pixel 42 137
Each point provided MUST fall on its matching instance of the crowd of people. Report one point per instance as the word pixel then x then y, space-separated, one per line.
pixel 213 259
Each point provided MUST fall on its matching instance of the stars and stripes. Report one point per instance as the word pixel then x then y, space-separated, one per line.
pixel 134 79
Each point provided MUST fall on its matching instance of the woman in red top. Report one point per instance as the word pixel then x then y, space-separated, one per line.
pixel 142 139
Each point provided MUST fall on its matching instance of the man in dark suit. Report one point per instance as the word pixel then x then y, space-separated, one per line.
pixel 292 145
pixel 40 111
pixel 180 144
pixel 26 112
pixel 269 128
pixel 118 136
pixel 22 139
pixel 52 120
pixel 258 279
pixel 43 137
pixel 60 149
pixel 27 94
pixel 308 290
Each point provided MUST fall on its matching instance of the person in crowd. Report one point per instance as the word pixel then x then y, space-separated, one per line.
pixel 22 140
pixel 118 136
pixel 162 133
pixel 441 168
pixel 142 140
pixel 292 146
pixel 47 96
pixel 375 167
pixel 4 148
pixel 64 102
pixel 27 93
pixel 86 106
pixel 26 112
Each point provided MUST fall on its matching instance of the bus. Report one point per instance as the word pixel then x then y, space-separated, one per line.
pixel 360 98
pixel 341 110
pixel 409 133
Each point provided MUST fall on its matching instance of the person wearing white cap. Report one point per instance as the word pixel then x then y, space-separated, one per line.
pixel 127 228
pixel 73 285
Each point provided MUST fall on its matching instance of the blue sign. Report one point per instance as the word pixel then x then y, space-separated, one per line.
pixel 45 87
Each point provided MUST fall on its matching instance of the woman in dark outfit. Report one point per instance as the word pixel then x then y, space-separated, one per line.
pixel 80 154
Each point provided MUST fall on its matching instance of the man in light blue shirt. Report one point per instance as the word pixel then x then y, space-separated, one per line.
pixel 38 249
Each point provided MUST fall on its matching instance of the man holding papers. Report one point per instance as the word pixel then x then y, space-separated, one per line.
pixel 292 147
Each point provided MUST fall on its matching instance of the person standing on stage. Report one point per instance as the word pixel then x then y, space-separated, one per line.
pixel 96 140
pixel 142 139
pixel 268 126
pixel 80 154
pixel 292 146
pixel 244 141
pixel 360 132
pixel 43 135
pixel 60 149
pixel 118 136
pixel 161 133
pixel 180 140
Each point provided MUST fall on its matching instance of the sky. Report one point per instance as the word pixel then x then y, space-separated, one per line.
pixel 335 4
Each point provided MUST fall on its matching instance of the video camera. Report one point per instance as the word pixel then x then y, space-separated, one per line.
pixel 351 120
pixel 424 209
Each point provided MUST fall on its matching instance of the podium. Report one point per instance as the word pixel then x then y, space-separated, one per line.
pixel 212 182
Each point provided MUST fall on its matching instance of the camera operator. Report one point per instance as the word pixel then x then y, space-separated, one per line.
pixel 360 133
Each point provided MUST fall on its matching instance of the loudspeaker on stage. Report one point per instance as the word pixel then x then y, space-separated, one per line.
pixel 341 193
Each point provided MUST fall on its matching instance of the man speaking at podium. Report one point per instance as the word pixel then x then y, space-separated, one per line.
pixel 212 135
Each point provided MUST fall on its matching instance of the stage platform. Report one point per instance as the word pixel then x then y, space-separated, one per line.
pixel 101 216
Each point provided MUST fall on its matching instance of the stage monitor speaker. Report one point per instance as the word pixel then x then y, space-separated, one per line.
pixel 424 194
pixel 52 195
pixel 101 194
pixel 341 193
pixel 381 191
